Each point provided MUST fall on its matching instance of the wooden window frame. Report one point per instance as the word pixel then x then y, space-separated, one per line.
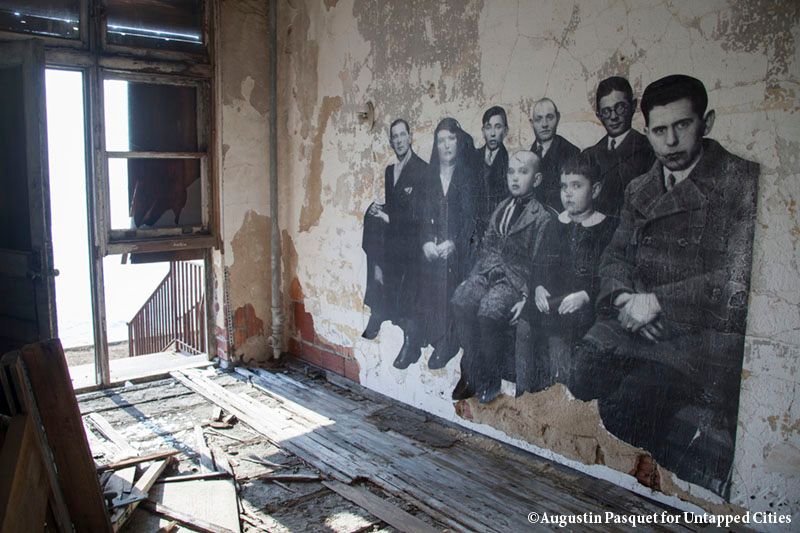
pixel 81 43
pixel 95 58
pixel 117 241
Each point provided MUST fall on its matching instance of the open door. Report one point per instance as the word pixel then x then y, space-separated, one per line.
pixel 27 288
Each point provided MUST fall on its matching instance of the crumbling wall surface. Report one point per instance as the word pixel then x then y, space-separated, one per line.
pixel 243 269
pixel 422 60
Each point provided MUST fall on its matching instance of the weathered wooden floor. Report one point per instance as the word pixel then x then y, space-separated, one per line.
pixel 308 455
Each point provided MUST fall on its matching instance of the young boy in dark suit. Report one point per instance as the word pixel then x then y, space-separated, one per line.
pixel 567 282
pixel 489 302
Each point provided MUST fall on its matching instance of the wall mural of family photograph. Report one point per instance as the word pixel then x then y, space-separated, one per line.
pixel 621 271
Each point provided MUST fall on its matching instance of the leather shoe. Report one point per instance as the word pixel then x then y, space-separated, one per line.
pixel 488 394
pixel 463 390
pixel 408 355
pixel 373 328
pixel 442 354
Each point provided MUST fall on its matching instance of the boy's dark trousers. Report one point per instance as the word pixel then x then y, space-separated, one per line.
pixel 482 307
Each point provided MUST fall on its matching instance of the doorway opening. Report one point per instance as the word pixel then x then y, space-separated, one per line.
pixel 69 218
pixel 152 309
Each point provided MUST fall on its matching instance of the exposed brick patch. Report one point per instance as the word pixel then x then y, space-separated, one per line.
pixel 463 409
pixel 304 322
pixel 646 472
pixel 333 362
pixel 306 345
pixel 246 324
pixel 351 370
pixel 222 342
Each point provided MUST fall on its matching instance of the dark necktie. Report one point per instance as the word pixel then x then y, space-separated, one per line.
pixel 613 145
pixel 505 222
pixel 670 181
pixel 537 149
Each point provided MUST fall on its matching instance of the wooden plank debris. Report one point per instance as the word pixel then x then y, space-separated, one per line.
pixel 107 430
pixel 205 459
pixel 296 478
pixel 194 477
pixel 142 486
pixel 338 467
pixel 145 458
pixel 391 514
pixel 24 487
pixel 50 385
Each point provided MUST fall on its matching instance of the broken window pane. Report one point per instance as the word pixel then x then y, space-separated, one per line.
pixel 54 18
pixel 175 25
pixel 152 192
pixel 155 193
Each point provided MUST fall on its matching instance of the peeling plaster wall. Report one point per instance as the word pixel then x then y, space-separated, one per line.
pixel 422 60
pixel 243 266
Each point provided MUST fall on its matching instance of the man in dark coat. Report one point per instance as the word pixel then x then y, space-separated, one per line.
pixel 493 158
pixel 553 150
pixel 664 357
pixel 623 153
pixel 391 236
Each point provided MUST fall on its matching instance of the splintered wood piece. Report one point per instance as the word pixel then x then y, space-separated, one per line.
pixel 216 413
pixel 263 462
pixel 221 460
pixel 195 524
pixel 142 486
pixel 205 459
pixel 298 478
pixel 221 434
pixel 193 477
pixel 136 460
pixel 107 430
pixel 389 513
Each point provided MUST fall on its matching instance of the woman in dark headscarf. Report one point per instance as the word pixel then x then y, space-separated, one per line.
pixel 447 221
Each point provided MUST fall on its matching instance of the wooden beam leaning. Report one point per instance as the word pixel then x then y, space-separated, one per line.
pixel 51 387
pixel 24 487
pixel 391 514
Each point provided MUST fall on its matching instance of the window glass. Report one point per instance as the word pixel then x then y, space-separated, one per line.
pixel 54 18
pixel 162 24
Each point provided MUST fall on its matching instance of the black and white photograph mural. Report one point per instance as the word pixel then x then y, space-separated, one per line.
pixel 620 271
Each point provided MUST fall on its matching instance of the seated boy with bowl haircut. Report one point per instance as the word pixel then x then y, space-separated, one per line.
pixel 567 280
pixel 490 301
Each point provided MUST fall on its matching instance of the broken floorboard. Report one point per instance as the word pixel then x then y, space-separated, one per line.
pixel 457 480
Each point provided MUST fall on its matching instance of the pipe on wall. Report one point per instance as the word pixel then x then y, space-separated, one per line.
pixel 275 252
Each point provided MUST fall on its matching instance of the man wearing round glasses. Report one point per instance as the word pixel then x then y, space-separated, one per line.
pixel 623 153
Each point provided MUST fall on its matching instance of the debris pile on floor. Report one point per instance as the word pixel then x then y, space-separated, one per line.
pixel 252 450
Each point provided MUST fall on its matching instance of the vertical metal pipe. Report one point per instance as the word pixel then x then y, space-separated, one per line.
pixel 277 314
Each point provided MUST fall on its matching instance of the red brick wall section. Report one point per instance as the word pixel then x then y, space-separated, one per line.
pixel 222 343
pixel 305 344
